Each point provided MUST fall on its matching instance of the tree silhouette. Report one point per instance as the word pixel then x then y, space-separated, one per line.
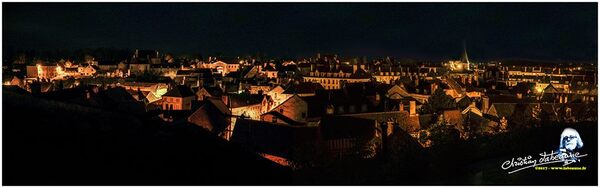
pixel 438 102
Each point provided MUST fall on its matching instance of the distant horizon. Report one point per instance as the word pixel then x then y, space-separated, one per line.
pixel 298 57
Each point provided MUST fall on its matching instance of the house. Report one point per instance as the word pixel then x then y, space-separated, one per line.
pixel 453 117
pixel 255 87
pixel 303 89
pixel 270 71
pixel 88 70
pixel 336 138
pixel 280 143
pixel 353 98
pixel 17 81
pixel 294 108
pixel 249 72
pixel 345 137
pixel 178 98
pixel 277 94
pixel 119 99
pixel 221 67
pixel 267 104
pixel 166 69
pixel 276 117
pixel 151 92
pixel 42 71
pixel 472 109
pixel 332 76
pixel 500 110
pixel 244 104
pixel 107 66
pixel 138 67
pixel 203 93
pixel 408 121
pixel 214 116
pixel 392 91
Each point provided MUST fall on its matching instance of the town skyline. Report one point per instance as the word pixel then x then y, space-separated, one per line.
pixel 300 94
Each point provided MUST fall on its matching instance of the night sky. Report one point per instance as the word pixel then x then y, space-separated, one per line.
pixel 549 31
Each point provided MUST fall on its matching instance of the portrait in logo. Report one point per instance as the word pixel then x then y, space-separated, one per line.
pixel 570 141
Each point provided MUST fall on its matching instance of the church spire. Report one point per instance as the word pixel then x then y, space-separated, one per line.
pixel 465 57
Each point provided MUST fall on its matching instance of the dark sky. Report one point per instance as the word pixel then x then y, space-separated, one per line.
pixel 550 31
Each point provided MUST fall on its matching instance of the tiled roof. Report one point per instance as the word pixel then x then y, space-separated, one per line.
pixel 336 127
pixel 212 115
pixel 275 139
pixel 180 91
pixel 283 118
pixel 502 109
pixel 304 87
pixel 242 99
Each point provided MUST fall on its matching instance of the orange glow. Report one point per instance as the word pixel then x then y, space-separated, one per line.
pixel 539 89
pixel 59 70
pixel 39 70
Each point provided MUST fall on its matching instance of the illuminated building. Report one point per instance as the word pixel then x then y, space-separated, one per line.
pixel 333 76
pixel 41 71
pixel 221 67
pixel 178 98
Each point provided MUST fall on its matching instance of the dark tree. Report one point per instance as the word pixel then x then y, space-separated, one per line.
pixel 438 102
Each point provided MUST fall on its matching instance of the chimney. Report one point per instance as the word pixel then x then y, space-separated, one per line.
pixel 225 99
pixel 485 104
pixel 433 87
pixel 413 108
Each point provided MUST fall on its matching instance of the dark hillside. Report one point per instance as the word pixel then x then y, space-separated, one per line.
pixel 54 143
